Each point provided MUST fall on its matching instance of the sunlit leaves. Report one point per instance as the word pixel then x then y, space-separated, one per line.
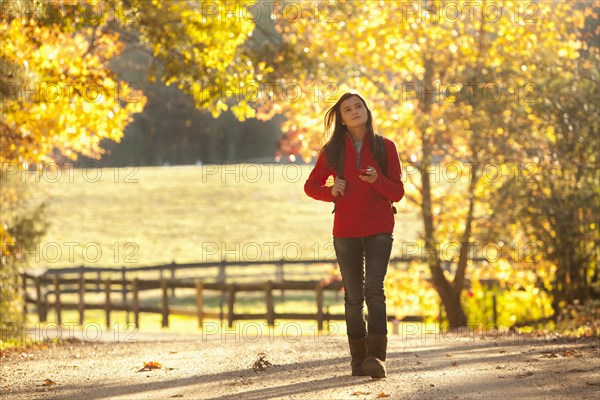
pixel 63 97
pixel 409 293
pixel 201 49
pixel 478 67
pixel 472 89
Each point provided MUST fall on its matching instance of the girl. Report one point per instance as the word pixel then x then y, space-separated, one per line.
pixel 367 178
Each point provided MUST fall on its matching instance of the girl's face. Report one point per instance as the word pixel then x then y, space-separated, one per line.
pixel 354 112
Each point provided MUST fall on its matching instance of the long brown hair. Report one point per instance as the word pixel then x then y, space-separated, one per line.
pixel 335 145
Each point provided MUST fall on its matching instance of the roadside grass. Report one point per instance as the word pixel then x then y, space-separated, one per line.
pixel 122 330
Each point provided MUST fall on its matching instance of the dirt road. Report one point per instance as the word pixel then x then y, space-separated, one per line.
pixel 452 366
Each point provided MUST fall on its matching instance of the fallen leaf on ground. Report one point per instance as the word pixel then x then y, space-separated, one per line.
pixel 150 366
pixel 569 353
pixel 360 393
pixel 177 395
pixel 48 382
pixel 262 363
pixel 382 395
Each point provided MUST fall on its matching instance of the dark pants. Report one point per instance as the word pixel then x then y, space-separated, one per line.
pixel 355 255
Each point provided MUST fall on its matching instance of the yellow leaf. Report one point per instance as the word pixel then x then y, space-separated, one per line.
pixel 151 365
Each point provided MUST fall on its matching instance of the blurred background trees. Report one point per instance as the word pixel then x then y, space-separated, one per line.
pixel 494 109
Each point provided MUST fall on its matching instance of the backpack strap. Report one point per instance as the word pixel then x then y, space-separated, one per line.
pixel 341 161
pixel 383 161
pixel 339 168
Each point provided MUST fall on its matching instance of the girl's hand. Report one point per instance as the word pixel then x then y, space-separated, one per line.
pixel 370 176
pixel 338 188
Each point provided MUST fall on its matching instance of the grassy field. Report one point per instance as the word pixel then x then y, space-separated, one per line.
pixel 136 217
pixel 154 215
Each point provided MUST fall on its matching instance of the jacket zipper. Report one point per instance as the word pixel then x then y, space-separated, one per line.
pixel 358 153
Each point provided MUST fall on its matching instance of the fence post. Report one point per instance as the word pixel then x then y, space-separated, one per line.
pixel 136 303
pixel 41 304
pixel 279 277
pixel 221 278
pixel 200 302
pixel 124 290
pixel 230 305
pixel 57 305
pixel 165 303
pixel 319 289
pixel 173 279
pixel 270 303
pixel 81 305
pixel 107 304
pixel 25 295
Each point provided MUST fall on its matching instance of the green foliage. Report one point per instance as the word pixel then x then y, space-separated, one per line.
pixel 25 223
pixel 409 292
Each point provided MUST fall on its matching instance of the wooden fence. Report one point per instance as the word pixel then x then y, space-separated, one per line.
pixel 50 288
pixel 136 286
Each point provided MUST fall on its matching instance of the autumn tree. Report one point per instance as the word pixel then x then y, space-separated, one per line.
pixel 60 96
pixel 557 203
pixel 57 94
pixel 453 83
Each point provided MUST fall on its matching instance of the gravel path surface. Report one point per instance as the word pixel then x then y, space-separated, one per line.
pixel 455 366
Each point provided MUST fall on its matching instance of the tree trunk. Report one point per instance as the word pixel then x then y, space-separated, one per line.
pixel 450 297
pixel 449 294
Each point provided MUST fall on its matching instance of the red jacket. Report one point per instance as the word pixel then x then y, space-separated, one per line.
pixel 365 208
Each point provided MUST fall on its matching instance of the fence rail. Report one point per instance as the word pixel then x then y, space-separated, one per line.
pixel 166 309
pixel 79 281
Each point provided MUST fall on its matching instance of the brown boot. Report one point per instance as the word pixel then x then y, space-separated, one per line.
pixel 374 364
pixel 358 351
